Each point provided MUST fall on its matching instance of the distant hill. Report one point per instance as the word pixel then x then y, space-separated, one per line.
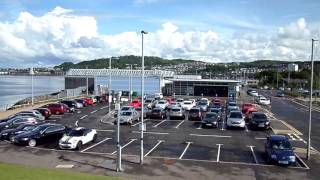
pixel 121 63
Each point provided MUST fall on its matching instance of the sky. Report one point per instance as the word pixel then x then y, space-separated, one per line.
pixel 46 33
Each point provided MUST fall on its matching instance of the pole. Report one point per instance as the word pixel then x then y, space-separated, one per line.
pixel 310 103
pixel 277 78
pixel 32 95
pixel 130 83
pixel 87 81
pixel 142 98
pixel 118 138
pixel 109 97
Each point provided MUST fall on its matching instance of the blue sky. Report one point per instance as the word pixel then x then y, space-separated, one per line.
pixel 228 19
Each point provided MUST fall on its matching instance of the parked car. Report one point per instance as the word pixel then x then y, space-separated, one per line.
pixel 264 101
pixel 176 112
pixel 68 109
pixel 232 106
pixel 195 114
pixel 235 119
pixel 158 95
pixel 278 150
pixel 22 128
pixel 72 105
pixel 149 103
pixel 145 111
pixel 210 119
pixel 161 104
pixel 157 113
pixel 77 137
pixel 32 113
pixel 56 108
pixel 94 99
pixel 89 101
pixel 217 105
pixel 253 93
pixel 248 114
pixel 82 101
pixel 16 121
pixel 259 120
pixel 218 112
pixel 44 133
pixel 170 100
pixel 179 101
pixel 135 103
pixel 187 105
pixel 203 105
pixel 172 105
pixel 280 94
pixel 246 106
pixel 206 100
pixel 128 117
pixel 45 112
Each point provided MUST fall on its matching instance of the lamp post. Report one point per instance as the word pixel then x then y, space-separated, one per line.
pixel 310 103
pixel 109 86
pixel 87 81
pixel 142 98
pixel 32 97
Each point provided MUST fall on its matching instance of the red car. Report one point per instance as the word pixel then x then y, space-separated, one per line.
pixel 89 101
pixel 45 112
pixel 171 100
pixel 246 106
pixel 135 103
pixel 248 115
pixel 56 108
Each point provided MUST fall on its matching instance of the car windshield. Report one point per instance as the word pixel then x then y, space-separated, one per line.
pixel 216 104
pixel 161 102
pixel 28 128
pixel 232 104
pixel 202 103
pixel 180 100
pixel 281 145
pixel 135 102
pixel 76 133
pixel 259 116
pixel 215 110
pixel 194 111
pixel 127 113
pixel 211 115
pixel 125 108
pixel 148 101
pixel 235 115
pixel 187 102
pixel 156 110
pixel 175 110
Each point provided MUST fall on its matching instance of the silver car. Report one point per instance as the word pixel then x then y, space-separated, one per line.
pixel 176 112
pixel 203 105
pixel 128 117
pixel 235 119
pixel 32 113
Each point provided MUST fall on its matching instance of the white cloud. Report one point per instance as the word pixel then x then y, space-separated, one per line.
pixel 59 36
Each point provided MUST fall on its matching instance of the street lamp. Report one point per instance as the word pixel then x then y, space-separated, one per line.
pixel 87 81
pixel 142 98
pixel 310 103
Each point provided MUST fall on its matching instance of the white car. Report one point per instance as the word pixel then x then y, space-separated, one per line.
pixel 205 100
pixel 187 105
pixel 158 95
pixel 163 104
pixel 77 137
pixel 235 119
pixel 264 101
pixel 253 93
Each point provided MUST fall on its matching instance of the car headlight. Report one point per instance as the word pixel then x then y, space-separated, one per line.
pixel 214 122
pixel 292 158
pixel 267 123
pixel 24 139
pixel 273 156
pixel 4 134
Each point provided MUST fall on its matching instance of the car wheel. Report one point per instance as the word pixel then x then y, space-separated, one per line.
pixel 32 143
pixel 79 145
pixel 95 137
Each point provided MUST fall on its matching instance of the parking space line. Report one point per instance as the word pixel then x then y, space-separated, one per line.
pixel 222 128
pixel 151 150
pixel 106 139
pixel 200 127
pixel 185 150
pixel 93 111
pixel 159 123
pixel 254 155
pixel 260 138
pixel 104 107
pixel 209 135
pixel 245 126
pixel 149 132
pixel 305 165
pixel 218 154
pixel 105 130
pixel 83 116
pixel 122 147
pixel 140 122
pixel 290 135
pixel 179 124
pixel 298 137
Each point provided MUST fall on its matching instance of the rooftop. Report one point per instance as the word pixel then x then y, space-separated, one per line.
pixel 206 80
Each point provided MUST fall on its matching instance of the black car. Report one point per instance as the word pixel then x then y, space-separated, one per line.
pixel 72 105
pixel 6 134
pixel 259 121
pixel 195 114
pixel 17 121
pixel 82 101
pixel 41 134
pixel 210 120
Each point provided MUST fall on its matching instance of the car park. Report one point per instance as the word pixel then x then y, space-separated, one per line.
pixel 176 113
pixel 44 133
pixel 56 108
pixel 187 105
pixel 22 128
pixel 195 114
pixel 161 104
pixel 16 121
pixel 128 117
pixel 203 105
pixel 45 112
pixel 259 121
pixel 235 119
pixel 210 119
pixel 278 150
pixel 157 113
pixel 77 137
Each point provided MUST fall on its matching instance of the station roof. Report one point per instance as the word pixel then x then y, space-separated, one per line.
pixel 205 80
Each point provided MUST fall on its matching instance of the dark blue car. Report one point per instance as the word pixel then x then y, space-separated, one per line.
pixel 279 150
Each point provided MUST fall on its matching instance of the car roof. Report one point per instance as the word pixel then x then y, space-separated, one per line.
pixel 277 137
pixel 211 113
pixel 235 112
pixel 258 113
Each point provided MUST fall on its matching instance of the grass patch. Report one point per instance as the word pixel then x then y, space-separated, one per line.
pixel 15 172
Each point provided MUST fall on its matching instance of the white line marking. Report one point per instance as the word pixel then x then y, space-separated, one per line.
pixel 292 137
pixel 185 150
pixel 93 111
pixel 122 147
pixel 254 155
pixel 76 123
pixel 159 123
pixel 200 127
pixel 209 135
pixel 260 138
pixel 106 139
pixel 105 130
pixel 149 132
pixel 65 166
pixel 179 124
pixel 305 165
pixel 104 107
pixel 218 154
pixel 83 116
pixel 140 122
pixel 154 147
pixel 298 137
pixel 245 126
pixel 222 128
